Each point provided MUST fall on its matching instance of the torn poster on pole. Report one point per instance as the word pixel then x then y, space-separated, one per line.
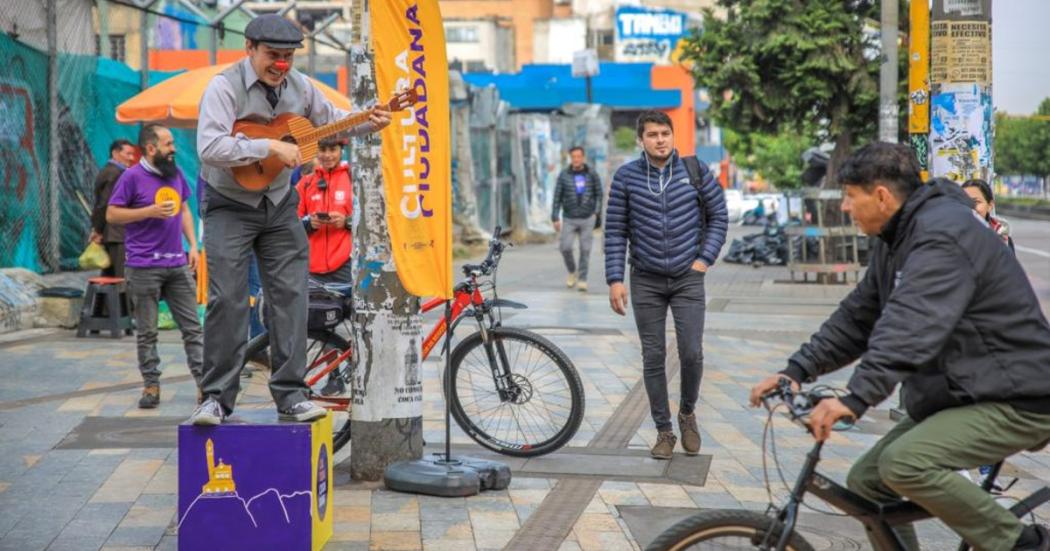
pixel 960 131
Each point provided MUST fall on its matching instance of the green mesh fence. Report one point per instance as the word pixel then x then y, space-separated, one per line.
pixel 89 90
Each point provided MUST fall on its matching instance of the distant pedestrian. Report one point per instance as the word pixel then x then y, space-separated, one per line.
pixel 110 236
pixel 149 200
pixel 673 214
pixel 579 193
pixel 984 204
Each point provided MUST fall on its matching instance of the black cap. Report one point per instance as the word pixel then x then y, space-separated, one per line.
pixel 274 31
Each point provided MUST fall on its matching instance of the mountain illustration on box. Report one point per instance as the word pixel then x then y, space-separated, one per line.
pixel 219 511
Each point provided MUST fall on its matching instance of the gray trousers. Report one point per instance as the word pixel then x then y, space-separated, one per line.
pixel 651 295
pixel 147 286
pixel 570 228
pixel 232 230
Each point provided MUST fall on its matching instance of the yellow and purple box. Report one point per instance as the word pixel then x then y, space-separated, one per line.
pixel 260 484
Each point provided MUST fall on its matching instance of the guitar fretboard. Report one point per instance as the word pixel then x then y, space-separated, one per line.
pixel 322 132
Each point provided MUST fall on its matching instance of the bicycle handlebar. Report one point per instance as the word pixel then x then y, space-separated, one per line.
pixel 491 261
pixel 799 403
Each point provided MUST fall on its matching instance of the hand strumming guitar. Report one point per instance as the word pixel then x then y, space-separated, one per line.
pixel 288 153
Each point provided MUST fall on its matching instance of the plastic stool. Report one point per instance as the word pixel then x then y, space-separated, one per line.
pixel 106 308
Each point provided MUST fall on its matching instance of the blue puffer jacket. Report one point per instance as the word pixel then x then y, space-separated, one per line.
pixel 667 230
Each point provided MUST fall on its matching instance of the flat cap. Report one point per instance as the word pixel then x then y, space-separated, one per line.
pixel 274 31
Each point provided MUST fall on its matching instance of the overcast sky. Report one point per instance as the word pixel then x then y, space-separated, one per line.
pixel 1020 54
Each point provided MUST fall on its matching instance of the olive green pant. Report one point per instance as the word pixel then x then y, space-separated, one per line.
pixel 919 461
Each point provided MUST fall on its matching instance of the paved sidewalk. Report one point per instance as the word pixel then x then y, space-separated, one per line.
pixel 124 497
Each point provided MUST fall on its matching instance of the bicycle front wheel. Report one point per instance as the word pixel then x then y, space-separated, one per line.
pixel 531 403
pixel 724 530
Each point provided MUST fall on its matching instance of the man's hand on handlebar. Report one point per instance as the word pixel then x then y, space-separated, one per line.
pixel 828 412
pixel 768 385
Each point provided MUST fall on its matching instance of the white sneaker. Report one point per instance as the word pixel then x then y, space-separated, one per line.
pixel 302 412
pixel 581 286
pixel 571 282
pixel 208 414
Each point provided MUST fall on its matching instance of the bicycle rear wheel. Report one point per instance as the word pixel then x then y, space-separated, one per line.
pixel 540 406
pixel 723 530
pixel 332 390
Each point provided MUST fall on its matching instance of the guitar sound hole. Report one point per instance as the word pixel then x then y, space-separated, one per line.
pixel 288 139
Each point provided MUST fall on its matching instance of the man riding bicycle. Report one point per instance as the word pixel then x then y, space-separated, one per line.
pixel 946 310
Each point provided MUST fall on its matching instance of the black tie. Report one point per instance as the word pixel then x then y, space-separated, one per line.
pixel 271 95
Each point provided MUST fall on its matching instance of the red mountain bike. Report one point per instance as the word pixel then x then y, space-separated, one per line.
pixel 512 391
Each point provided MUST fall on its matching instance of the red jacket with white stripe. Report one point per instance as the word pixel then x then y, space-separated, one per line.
pixel 327 192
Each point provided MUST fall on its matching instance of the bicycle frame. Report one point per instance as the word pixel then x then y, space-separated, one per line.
pixel 878 519
pixel 333 358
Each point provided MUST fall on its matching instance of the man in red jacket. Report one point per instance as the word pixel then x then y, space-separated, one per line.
pixel 325 207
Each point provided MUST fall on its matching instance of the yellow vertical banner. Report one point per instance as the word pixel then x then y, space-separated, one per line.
pixel 408 39
pixel 919 67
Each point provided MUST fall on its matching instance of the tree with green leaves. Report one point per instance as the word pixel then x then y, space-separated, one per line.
pixel 1022 144
pixel 775 157
pixel 803 67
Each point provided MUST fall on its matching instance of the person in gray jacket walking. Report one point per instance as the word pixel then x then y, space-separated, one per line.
pixel 579 193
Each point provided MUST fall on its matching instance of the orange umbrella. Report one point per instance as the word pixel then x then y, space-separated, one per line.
pixel 174 101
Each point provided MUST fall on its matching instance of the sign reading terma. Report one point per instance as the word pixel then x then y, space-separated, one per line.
pixel 648 34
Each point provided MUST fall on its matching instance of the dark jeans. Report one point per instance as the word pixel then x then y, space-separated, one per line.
pixel 342 274
pixel 232 230
pixel 651 295
pixel 147 286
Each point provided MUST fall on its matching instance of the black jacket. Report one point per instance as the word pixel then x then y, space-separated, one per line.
pixel 105 181
pixel 945 309
pixel 576 205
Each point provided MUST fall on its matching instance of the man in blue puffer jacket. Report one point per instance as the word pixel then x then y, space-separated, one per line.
pixel 676 230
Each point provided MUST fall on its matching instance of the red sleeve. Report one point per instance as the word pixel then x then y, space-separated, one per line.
pixel 302 196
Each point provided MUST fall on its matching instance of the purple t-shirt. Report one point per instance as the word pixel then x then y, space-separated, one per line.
pixel 153 242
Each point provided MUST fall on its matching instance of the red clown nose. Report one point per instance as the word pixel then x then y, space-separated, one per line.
pixel 281 65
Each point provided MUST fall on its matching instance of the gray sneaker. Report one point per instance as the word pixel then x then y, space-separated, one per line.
pixel 301 412
pixel 208 413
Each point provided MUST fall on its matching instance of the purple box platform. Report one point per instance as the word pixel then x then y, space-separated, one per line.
pixel 255 483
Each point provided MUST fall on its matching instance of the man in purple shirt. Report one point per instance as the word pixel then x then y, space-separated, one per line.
pixel 150 202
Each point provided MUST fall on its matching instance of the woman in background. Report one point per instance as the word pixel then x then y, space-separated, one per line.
pixel 984 204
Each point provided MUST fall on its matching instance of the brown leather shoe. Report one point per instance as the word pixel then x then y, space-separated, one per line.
pixel 664 447
pixel 690 433
pixel 150 397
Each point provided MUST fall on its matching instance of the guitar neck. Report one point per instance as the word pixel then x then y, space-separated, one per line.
pixel 336 127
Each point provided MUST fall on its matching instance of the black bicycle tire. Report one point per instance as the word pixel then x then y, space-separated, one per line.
pixel 563 362
pixel 341 434
pixel 720 523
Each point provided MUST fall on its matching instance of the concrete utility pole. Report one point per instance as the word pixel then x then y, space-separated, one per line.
pixel 52 255
pixel 103 28
pixel 888 109
pixel 386 417
pixel 961 84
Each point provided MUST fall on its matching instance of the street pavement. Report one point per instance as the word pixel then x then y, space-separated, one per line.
pixel 55 495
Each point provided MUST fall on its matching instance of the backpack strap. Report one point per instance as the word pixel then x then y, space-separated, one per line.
pixel 696 172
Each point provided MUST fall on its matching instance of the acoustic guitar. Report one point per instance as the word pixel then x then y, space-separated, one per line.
pixel 295 129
